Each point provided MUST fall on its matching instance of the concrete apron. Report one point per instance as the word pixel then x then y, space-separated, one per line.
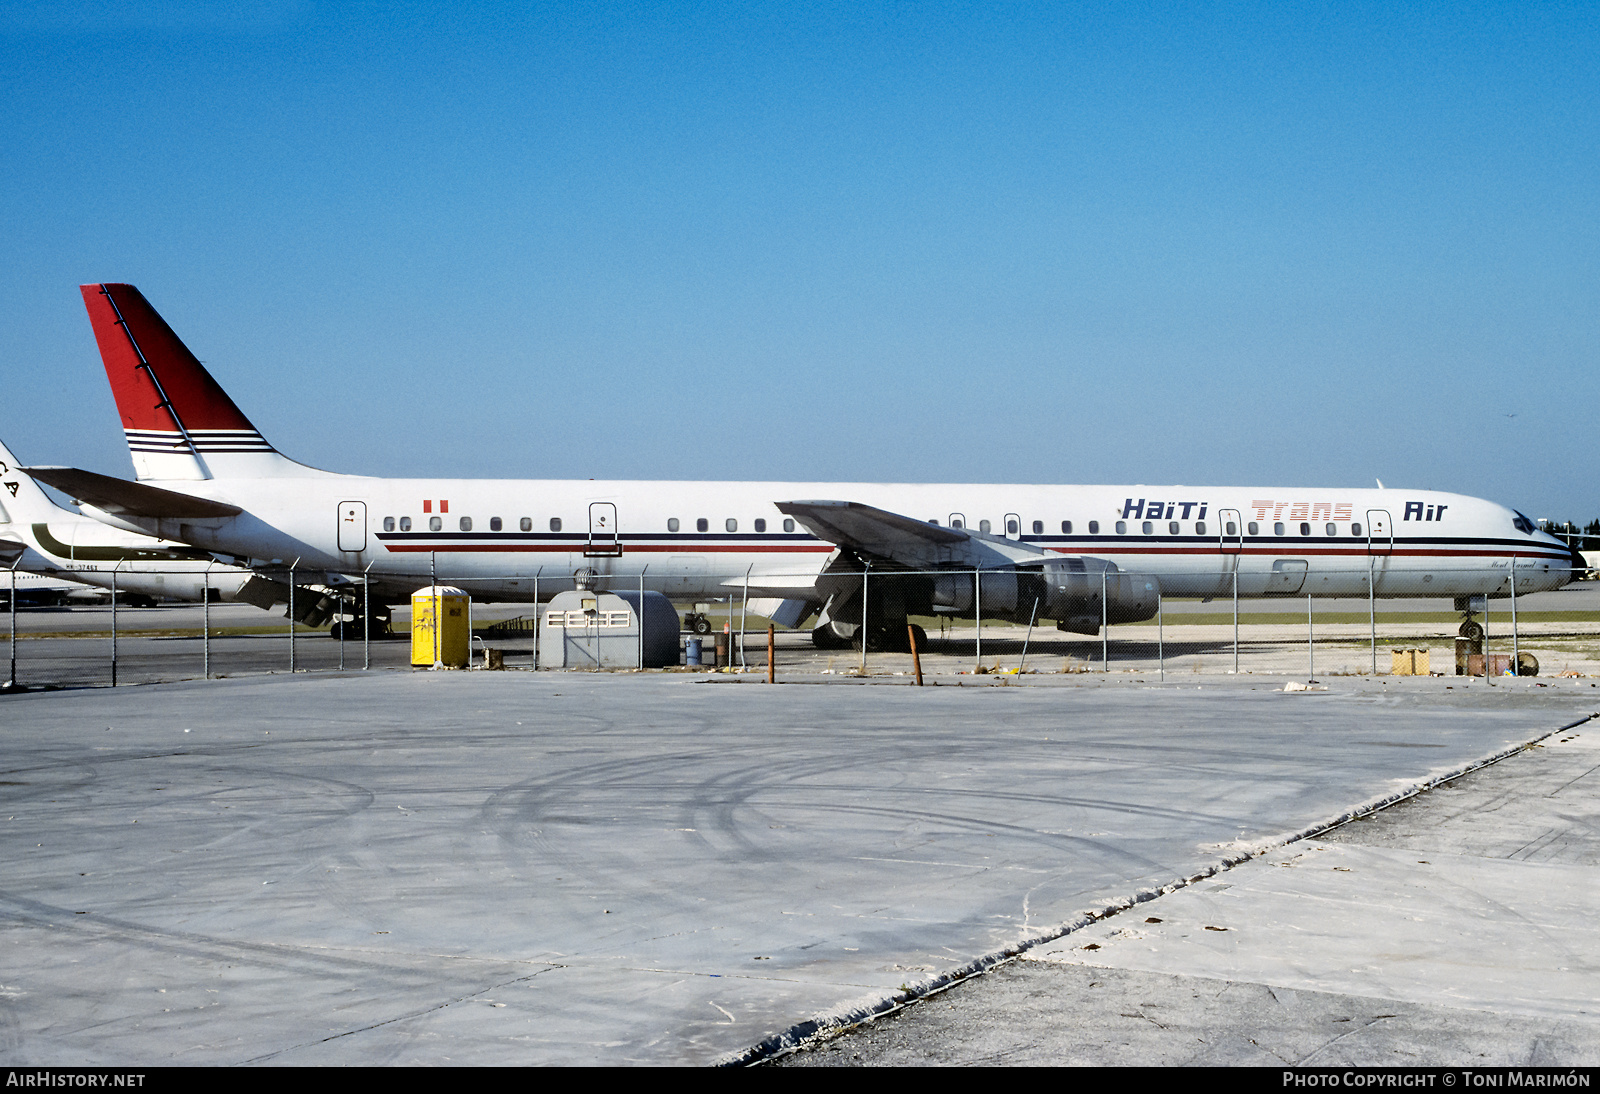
pixel 504 868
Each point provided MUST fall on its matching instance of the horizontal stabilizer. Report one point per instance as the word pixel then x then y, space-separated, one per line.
pixel 130 499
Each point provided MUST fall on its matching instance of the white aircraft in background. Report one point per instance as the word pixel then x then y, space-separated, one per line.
pixel 1079 555
pixel 34 590
pixel 71 551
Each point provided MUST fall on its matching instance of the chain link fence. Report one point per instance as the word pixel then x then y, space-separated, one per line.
pixel 723 626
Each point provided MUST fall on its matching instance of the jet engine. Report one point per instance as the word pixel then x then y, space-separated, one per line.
pixel 1068 590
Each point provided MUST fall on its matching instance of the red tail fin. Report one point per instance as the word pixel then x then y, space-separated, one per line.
pixel 174 414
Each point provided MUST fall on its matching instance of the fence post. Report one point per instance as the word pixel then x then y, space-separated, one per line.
pixel 1105 627
pixel 433 593
pixel 1161 641
pixel 11 681
pixel 1236 615
pixel 366 618
pixel 205 620
pixel 1311 644
pixel 977 612
pixel 1486 636
pixel 536 631
pixel 114 570
pixel 292 565
pixel 1033 617
pixel 866 568
pixel 1372 607
pixel 1516 652
pixel 744 618
pixel 641 618
pixel 772 654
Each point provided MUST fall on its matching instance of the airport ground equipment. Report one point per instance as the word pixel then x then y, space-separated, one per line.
pixel 441 627
pixel 588 629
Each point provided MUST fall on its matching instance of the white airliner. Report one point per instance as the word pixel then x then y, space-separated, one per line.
pixel 1079 555
pixel 57 543
pixel 37 591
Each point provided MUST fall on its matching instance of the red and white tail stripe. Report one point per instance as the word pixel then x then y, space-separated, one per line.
pixel 178 421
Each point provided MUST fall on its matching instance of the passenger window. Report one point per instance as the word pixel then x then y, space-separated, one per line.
pixel 388 524
pixel 1277 529
pixel 731 525
pixel 788 524
pixel 1305 529
pixel 1172 528
pixel 1011 527
pixel 1355 529
pixel 1094 527
pixel 1147 527
pixel 494 524
pixel 955 523
pixel 1038 527
pixel 434 524
pixel 1230 529
pixel 1122 527
pixel 702 525
pixel 405 524
pixel 672 524
pixel 555 524
pixel 1066 527
pixel 466 524
pixel 1199 527
pixel 983 526
pixel 1333 529
pixel 1253 528
pixel 526 524
pixel 761 524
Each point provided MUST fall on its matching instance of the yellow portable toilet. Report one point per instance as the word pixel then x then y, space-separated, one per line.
pixel 441 628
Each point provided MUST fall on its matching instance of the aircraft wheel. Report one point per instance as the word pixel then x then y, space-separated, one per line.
pixel 823 638
pixel 882 640
pixel 1471 629
pixel 921 636
pixel 701 625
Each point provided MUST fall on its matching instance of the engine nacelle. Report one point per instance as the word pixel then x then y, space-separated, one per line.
pixel 1068 590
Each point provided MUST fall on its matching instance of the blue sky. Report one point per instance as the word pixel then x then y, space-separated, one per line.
pixel 1286 244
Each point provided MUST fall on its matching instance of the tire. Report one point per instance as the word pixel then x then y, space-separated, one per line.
pixel 1471 629
pixel 701 625
pixel 823 638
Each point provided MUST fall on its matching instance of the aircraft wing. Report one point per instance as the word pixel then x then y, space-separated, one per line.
pixel 904 540
pixel 122 498
pixel 851 524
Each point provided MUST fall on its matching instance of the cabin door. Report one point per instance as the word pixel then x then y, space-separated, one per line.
pixel 1380 532
pixel 603 539
pixel 352 526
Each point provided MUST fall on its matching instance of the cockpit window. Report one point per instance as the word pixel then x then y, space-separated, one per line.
pixel 1522 524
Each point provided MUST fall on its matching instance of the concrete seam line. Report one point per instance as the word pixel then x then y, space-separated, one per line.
pixel 1410 792
pixel 823 1027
